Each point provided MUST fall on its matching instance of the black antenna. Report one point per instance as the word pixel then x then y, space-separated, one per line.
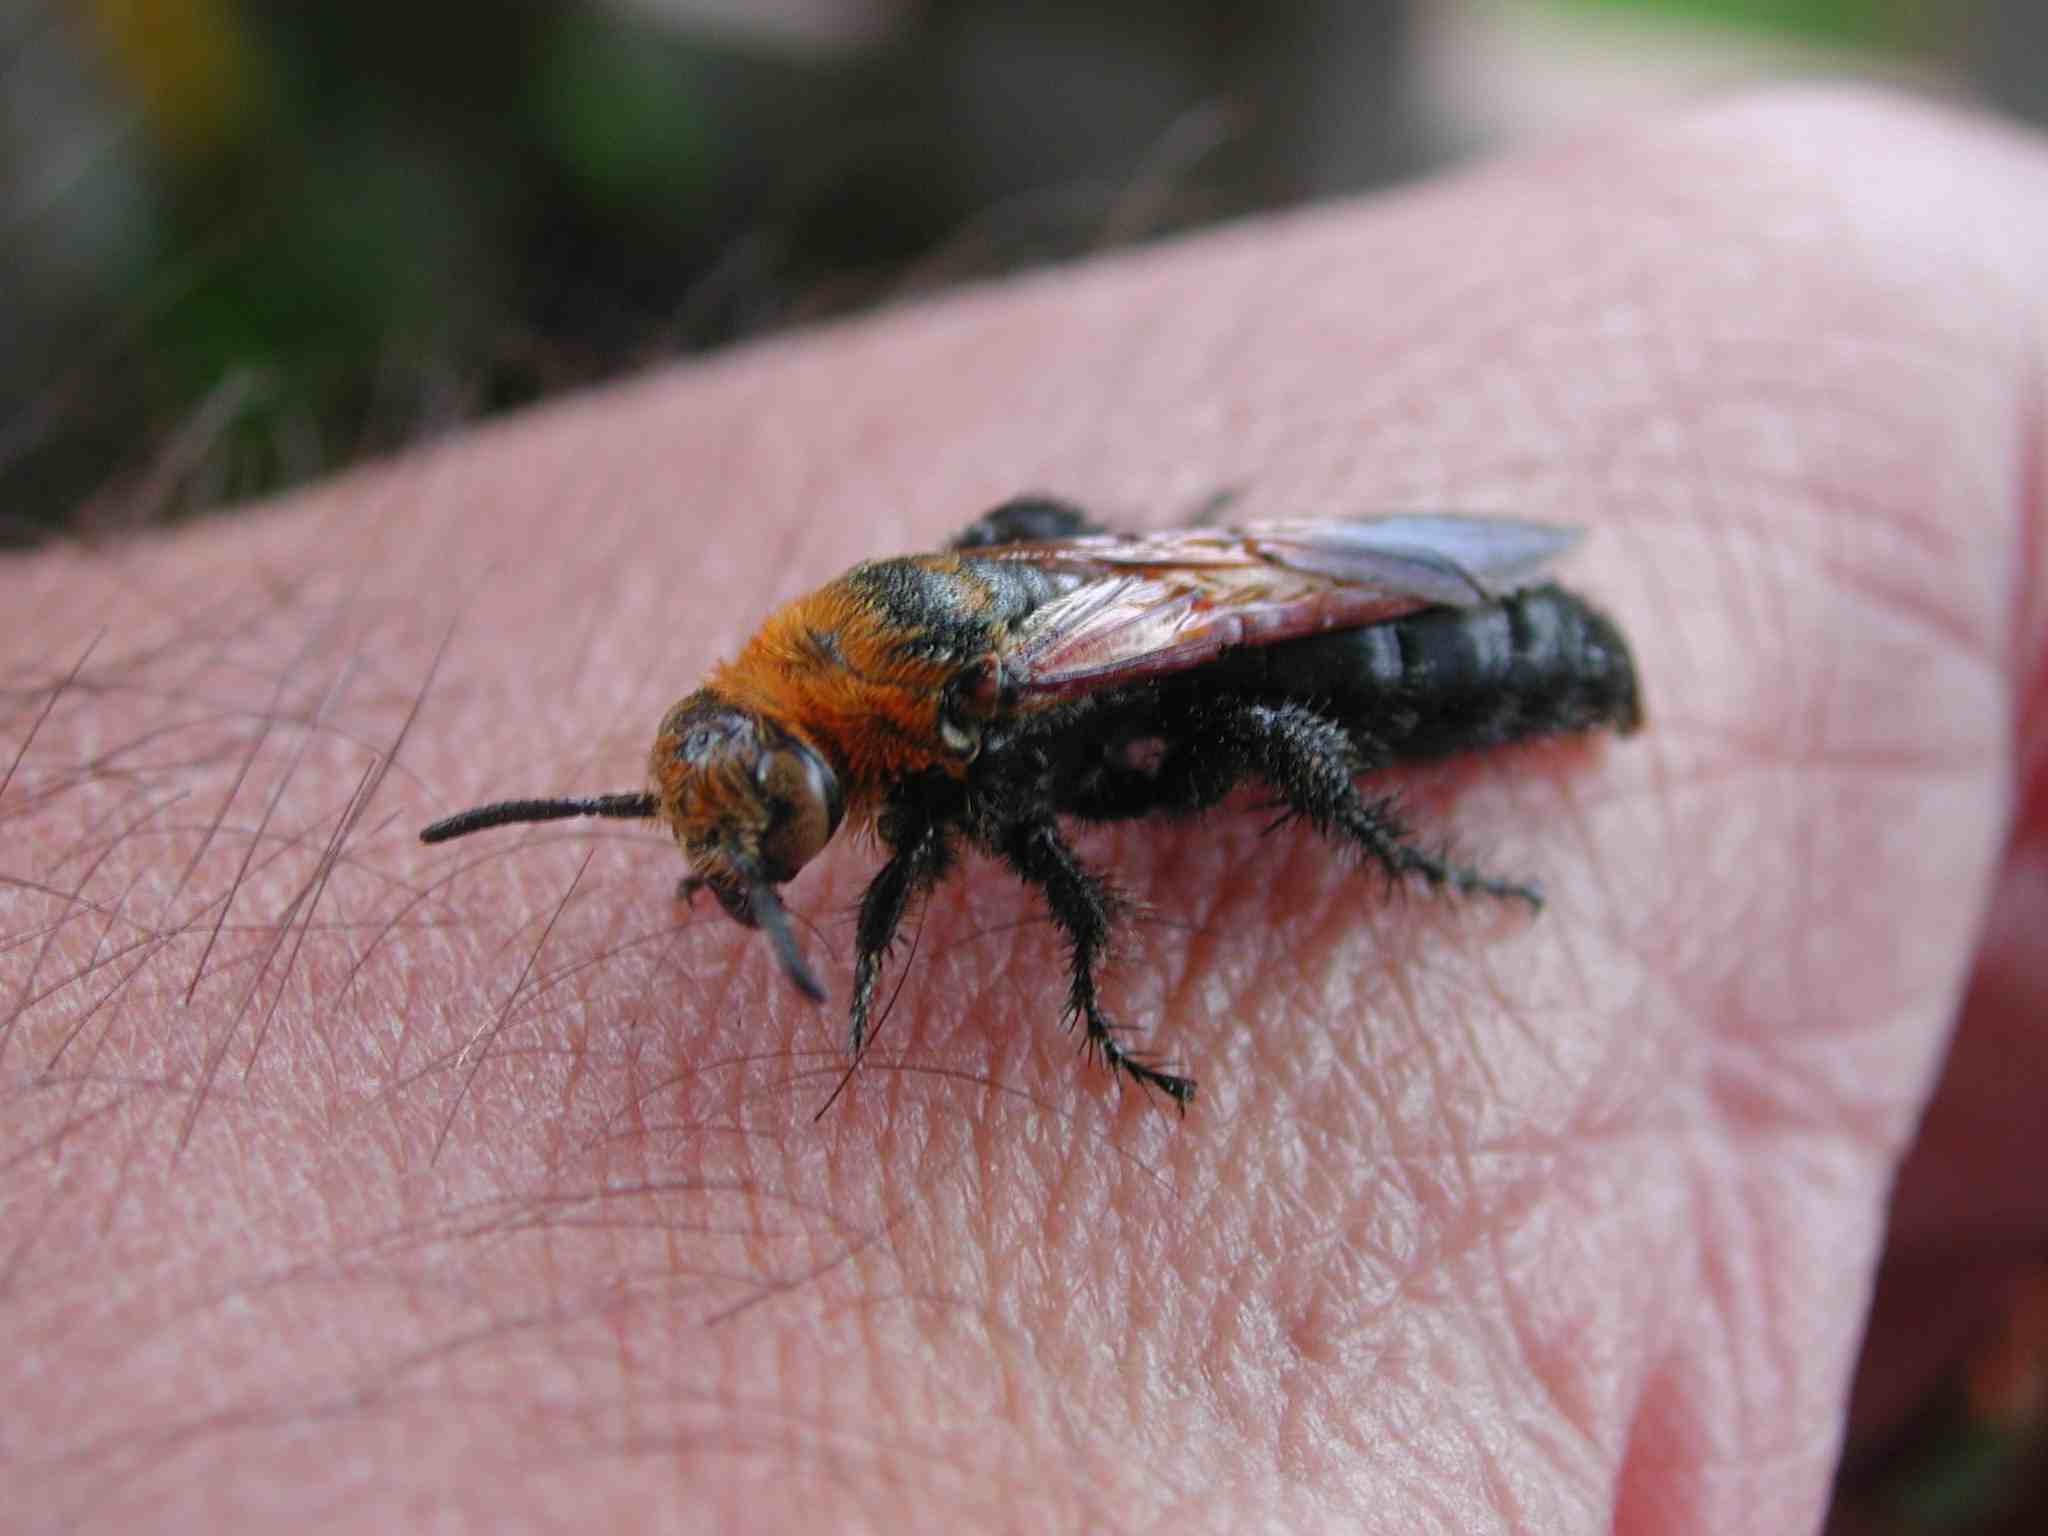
pixel 771 918
pixel 630 807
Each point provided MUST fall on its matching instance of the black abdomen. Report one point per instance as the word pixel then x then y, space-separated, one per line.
pixel 1454 679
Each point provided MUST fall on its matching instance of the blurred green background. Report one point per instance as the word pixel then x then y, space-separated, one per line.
pixel 248 242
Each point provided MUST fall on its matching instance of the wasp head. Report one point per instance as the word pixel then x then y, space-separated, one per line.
pixel 750 804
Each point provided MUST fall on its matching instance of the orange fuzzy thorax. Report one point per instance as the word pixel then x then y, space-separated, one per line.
pixel 829 669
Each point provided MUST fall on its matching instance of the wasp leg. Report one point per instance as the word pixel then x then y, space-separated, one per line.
pixel 1083 906
pixel 1310 760
pixel 920 854
pixel 1026 520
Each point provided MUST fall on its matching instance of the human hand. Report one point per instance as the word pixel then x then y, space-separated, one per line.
pixel 351 1180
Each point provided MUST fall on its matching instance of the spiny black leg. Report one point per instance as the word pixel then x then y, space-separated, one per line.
pixel 1083 907
pixel 1310 760
pixel 1115 790
pixel 920 854
pixel 1026 520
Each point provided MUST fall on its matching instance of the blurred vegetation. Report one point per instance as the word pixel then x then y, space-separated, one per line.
pixel 248 242
pixel 1972 1456
pixel 1862 23
pixel 251 242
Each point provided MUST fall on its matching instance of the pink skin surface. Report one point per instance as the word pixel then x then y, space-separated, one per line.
pixel 356 1184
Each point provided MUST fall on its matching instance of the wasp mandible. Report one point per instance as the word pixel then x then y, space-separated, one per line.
pixel 1043 668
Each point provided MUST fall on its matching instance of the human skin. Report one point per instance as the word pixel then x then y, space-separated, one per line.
pixel 354 1182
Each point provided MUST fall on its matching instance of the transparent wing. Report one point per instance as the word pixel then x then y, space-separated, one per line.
pixel 1158 603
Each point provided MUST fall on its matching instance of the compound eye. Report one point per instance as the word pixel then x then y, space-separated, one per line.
pixel 803 804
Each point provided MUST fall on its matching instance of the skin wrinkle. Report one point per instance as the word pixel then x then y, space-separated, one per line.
pixel 1143 1281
